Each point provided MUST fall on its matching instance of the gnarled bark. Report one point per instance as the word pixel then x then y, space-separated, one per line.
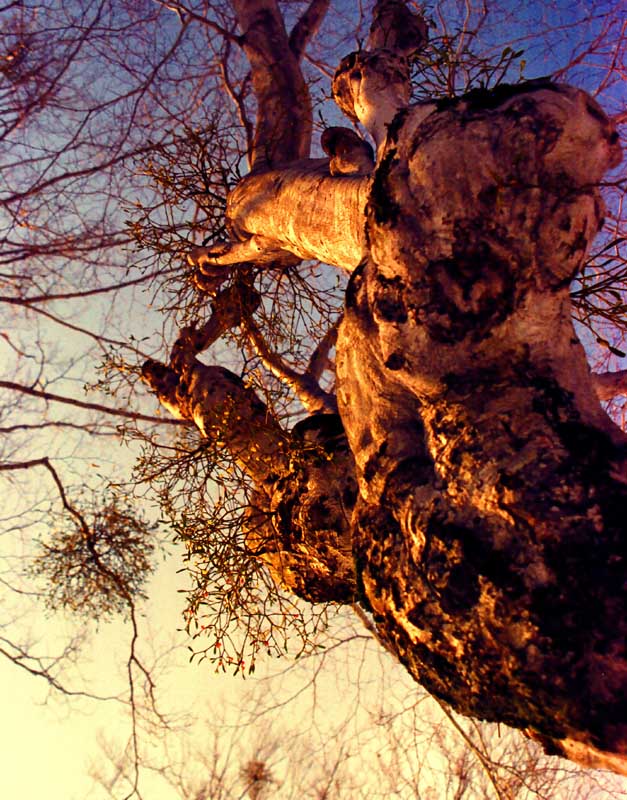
pixel 304 482
pixel 488 533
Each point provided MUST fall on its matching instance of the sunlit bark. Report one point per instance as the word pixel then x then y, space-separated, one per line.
pixel 488 533
pixel 304 487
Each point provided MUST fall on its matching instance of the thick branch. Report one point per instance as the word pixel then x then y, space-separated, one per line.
pixel 394 27
pixel 228 309
pixel 226 411
pixel 371 86
pixel 307 27
pixel 298 521
pixel 215 399
pixel 284 117
pixel 297 212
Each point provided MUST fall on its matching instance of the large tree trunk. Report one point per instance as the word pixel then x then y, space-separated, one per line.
pixel 489 531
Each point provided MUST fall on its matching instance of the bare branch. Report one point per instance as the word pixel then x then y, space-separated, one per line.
pixel 38 667
pixel 45 462
pixel 184 13
pixel 305 386
pixel 319 360
pixel 51 297
pixel 56 398
pixel 238 98
pixel 97 337
pixel 307 27
pixel 284 117
pixel 92 430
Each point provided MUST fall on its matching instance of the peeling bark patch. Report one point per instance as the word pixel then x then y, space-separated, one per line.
pixel 395 126
pixel 395 361
pixel 307 541
pixel 354 286
pixel 466 296
pixel 372 465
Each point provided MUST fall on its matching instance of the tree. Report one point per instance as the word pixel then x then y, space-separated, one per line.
pixel 469 492
pixel 486 532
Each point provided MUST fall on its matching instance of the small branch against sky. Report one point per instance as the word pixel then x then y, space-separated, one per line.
pixel 71 401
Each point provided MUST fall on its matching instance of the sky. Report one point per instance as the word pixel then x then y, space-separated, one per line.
pixel 50 746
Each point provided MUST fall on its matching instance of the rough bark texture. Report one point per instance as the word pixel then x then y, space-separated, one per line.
pixel 488 533
pixel 304 530
pixel 299 521
pixel 283 125
pixel 305 211
pixel 304 486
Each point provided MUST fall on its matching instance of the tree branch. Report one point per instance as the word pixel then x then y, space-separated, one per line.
pixel 319 360
pixel 238 98
pixel 229 307
pixel 36 666
pixel 284 116
pixel 45 462
pixel 49 298
pixel 305 386
pixel 57 398
pixel 184 13
pixel 92 430
pixel 307 27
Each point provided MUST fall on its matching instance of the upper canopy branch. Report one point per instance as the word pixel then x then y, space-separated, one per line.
pixel 301 209
pixel 371 86
pixel 307 27
pixel 284 115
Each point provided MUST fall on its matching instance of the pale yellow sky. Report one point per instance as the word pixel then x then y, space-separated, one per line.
pixel 48 743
